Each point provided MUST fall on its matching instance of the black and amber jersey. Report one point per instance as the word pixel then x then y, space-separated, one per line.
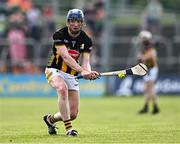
pixel 151 55
pixel 76 46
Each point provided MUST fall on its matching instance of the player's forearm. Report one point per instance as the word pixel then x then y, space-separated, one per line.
pixel 86 66
pixel 86 61
pixel 72 63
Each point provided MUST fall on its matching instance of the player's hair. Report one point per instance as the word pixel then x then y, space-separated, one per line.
pixel 75 14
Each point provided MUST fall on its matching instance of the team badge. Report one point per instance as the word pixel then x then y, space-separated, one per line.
pixel 82 46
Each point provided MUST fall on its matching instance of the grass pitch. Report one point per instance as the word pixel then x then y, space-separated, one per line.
pixel 101 120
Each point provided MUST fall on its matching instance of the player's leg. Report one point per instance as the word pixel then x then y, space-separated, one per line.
pixel 55 118
pixel 152 91
pixel 73 96
pixel 63 102
pixel 74 109
pixel 147 98
pixel 62 90
pixel 62 82
pixel 153 97
pixel 74 99
pixel 146 94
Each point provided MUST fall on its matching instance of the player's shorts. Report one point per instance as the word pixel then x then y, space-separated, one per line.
pixel 152 74
pixel 70 80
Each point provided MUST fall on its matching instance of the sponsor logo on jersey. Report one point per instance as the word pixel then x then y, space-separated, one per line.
pixel 65 41
pixel 82 46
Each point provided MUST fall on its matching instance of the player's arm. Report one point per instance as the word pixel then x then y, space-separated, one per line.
pixel 150 55
pixel 86 65
pixel 63 52
pixel 154 55
pixel 86 61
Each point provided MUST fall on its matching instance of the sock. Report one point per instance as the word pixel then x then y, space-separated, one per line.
pixel 52 119
pixel 155 106
pixel 67 124
pixel 57 116
pixel 146 106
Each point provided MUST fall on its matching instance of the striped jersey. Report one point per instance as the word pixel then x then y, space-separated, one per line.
pixel 75 46
pixel 150 50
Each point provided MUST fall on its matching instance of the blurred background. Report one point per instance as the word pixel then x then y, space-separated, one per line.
pixel 26 28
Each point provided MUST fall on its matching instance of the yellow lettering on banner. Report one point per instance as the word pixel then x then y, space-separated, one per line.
pixel 90 86
pixel 30 86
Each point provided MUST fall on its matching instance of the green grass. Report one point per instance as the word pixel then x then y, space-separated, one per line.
pixel 101 120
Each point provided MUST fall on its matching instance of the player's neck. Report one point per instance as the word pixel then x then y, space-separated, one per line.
pixel 73 35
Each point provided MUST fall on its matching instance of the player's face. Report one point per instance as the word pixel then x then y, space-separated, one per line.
pixel 75 26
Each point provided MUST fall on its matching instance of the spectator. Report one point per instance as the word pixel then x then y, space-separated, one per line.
pixel 24 5
pixel 17 48
pixel 90 15
pixel 3 14
pixel 13 3
pixel 34 21
pixel 100 16
pixel 49 25
pixel 17 19
pixel 3 67
pixel 152 16
pixel 95 15
pixel 16 38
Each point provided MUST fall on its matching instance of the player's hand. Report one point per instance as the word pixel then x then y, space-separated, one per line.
pixel 94 75
pixel 90 75
pixel 86 74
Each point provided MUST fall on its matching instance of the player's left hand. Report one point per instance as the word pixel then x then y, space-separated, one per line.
pixel 94 75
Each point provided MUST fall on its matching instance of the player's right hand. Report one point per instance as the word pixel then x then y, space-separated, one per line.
pixel 86 74
pixel 90 75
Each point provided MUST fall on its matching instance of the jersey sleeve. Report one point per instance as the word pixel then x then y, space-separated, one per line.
pixel 88 45
pixel 58 39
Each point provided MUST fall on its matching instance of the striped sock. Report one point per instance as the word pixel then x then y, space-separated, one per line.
pixel 52 119
pixel 67 124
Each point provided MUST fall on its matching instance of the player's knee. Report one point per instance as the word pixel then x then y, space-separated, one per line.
pixel 62 89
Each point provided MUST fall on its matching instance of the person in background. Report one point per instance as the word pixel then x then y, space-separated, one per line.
pixel 148 56
pixel 34 23
pixel 95 15
pixel 49 25
pixel 16 39
pixel 152 16
pixel 71 44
